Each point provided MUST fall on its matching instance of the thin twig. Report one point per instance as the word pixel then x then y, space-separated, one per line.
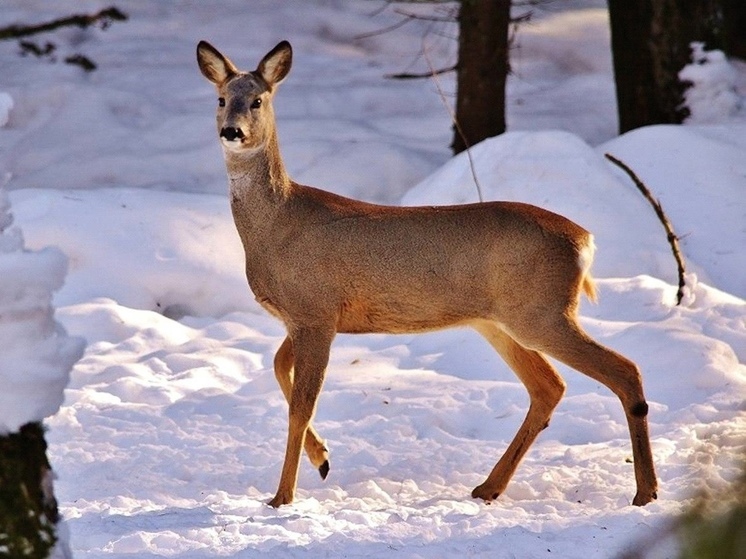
pixel 456 124
pixel 406 18
pixel 411 15
pixel 391 27
pixel 673 240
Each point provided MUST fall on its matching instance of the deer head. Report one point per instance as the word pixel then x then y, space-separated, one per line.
pixel 245 119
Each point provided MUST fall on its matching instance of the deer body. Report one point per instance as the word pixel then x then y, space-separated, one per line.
pixel 323 264
pixel 376 284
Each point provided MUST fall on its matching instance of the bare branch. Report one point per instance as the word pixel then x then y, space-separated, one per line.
pixel 83 61
pixel 80 20
pixel 29 47
pixel 428 74
pixel 673 240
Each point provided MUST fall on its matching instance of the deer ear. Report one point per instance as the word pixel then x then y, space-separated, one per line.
pixel 276 64
pixel 213 65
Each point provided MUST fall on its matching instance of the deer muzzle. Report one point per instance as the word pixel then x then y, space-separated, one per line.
pixel 231 134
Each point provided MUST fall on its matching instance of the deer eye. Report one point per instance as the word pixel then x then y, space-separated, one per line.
pixel 256 104
pixel 221 101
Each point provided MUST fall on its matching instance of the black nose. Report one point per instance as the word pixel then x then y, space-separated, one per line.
pixel 231 134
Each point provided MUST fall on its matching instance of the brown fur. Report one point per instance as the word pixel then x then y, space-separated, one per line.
pixel 323 264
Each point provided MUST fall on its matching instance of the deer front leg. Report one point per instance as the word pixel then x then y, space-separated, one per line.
pixel 314 445
pixel 311 350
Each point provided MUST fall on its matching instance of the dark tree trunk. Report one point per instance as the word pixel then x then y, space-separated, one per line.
pixel 28 509
pixel 734 14
pixel 482 70
pixel 650 41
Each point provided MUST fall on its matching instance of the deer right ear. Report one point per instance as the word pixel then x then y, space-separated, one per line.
pixel 213 65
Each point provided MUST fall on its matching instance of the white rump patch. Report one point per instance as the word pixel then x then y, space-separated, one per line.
pixel 585 256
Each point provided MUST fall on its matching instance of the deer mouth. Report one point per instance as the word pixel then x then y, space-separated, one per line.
pixel 232 145
pixel 232 137
pixel 239 146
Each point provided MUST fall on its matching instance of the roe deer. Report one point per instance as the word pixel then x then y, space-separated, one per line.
pixel 323 264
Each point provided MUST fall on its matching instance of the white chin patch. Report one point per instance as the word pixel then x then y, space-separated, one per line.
pixel 236 146
pixel 231 145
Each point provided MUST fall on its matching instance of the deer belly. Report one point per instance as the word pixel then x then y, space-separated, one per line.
pixel 359 316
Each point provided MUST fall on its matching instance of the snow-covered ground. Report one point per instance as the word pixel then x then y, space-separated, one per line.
pixel 172 432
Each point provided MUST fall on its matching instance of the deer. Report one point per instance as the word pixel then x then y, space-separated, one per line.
pixel 325 264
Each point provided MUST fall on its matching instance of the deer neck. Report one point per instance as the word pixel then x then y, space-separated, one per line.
pixel 259 186
pixel 257 176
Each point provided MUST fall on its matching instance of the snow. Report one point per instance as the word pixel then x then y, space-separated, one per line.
pixel 712 96
pixel 560 172
pixel 37 353
pixel 6 104
pixel 171 435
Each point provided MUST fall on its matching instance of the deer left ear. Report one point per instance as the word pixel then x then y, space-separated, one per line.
pixel 276 64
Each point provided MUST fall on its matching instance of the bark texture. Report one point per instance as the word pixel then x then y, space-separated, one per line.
pixel 650 41
pixel 28 509
pixel 482 71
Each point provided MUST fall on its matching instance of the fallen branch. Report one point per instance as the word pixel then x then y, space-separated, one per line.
pixel 673 240
pixel 80 20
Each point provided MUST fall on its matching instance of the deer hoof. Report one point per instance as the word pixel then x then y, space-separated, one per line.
pixel 642 499
pixel 280 500
pixel 324 469
pixel 482 492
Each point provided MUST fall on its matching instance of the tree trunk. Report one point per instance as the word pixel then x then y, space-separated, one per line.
pixel 734 14
pixel 28 509
pixel 650 41
pixel 481 71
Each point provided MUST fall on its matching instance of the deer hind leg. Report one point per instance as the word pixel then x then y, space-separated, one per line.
pixel 545 388
pixel 570 344
pixel 311 355
pixel 314 445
